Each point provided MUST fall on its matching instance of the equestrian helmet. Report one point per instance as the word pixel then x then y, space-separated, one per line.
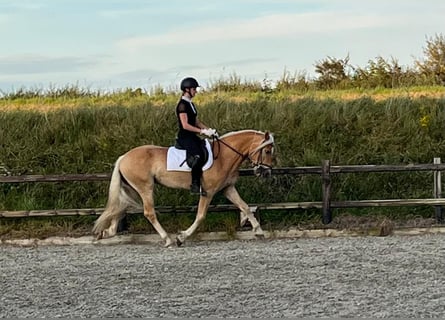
pixel 188 83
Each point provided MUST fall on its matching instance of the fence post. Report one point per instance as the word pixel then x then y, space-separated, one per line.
pixel 326 180
pixel 438 192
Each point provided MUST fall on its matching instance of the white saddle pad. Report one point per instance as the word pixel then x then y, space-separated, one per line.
pixel 176 157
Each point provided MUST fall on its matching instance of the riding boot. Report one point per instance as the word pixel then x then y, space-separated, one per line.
pixel 195 187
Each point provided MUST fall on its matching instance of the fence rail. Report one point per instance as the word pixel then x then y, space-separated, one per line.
pixel 325 171
pixel 242 172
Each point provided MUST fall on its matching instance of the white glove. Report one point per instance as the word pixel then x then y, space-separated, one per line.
pixel 214 133
pixel 209 132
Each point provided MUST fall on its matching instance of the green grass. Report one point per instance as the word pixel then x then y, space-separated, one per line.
pixel 85 133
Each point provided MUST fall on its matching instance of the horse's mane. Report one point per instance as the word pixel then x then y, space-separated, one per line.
pixel 240 131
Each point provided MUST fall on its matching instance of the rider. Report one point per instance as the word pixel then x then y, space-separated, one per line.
pixel 189 126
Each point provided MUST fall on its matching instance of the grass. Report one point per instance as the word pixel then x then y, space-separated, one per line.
pixel 85 133
pixel 127 99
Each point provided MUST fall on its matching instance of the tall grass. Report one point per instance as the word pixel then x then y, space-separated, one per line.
pixel 47 135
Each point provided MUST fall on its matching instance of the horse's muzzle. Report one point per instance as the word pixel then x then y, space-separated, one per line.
pixel 262 171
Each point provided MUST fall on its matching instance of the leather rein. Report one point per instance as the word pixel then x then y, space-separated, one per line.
pixel 244 157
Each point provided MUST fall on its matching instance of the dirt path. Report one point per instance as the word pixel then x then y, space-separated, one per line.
pixel 396 276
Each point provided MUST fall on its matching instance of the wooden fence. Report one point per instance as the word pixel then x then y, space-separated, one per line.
pixel 326 170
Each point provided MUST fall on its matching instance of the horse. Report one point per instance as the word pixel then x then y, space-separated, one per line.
pixel 137 171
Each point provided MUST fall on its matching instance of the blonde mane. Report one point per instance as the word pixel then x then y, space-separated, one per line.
pixel 265 143
pixel 229 134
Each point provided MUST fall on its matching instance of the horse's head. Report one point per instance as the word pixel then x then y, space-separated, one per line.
pixel 253 145
pixel 262 156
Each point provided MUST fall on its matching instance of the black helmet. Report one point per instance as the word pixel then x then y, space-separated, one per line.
pixel 189 83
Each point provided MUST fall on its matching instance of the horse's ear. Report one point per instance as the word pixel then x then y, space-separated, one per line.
pixel 267 136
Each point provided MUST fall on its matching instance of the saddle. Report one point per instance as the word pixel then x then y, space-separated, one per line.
pixel 177 157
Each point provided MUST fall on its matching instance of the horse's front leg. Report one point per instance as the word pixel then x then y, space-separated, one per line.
pixel 232 194
pixel 203 206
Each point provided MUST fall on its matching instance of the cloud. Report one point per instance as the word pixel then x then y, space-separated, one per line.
pixel 20 6
pixel 34 64
pixel 269 26
pixel 119 13
pixel 138 74
pixel 4 18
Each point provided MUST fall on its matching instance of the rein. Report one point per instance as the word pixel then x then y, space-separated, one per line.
pixel 259 162
pixel 228 146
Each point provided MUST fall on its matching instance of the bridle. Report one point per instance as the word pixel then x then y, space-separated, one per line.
pixel 259 160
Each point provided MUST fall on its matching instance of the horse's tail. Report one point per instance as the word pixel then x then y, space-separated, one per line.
pixel 118 200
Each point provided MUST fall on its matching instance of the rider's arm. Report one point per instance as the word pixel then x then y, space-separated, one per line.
pixel 186 125
pixel 201 125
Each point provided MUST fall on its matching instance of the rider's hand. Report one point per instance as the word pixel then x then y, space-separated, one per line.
pixel 213 133
pixel 209 132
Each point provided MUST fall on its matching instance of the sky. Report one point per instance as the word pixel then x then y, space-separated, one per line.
pixel 111 45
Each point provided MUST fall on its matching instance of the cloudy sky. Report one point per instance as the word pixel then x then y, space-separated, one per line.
pixel 116 44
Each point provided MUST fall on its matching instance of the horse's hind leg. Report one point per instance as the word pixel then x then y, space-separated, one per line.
pixel 232 194
pixel 113 225
pixel 117 224
pixel 150 214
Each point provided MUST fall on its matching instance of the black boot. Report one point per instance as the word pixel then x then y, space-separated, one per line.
pixel 195 188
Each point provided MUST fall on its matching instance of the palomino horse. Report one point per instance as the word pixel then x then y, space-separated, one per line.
pixel 136 172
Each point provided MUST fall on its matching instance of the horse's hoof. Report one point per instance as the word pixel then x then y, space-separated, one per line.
pixel 259 234
pixel 180 239
pixel 243 221
pixel 168 243
pixel 100 235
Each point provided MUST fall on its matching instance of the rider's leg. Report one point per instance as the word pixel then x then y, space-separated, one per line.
pixel 195 160
pixel 195 187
